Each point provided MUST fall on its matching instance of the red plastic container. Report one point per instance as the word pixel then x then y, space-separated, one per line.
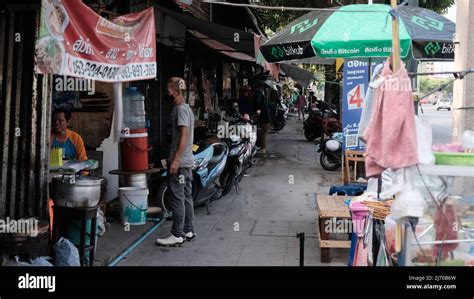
pixel 134 150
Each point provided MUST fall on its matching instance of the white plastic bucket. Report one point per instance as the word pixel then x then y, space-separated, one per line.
pixel 134 204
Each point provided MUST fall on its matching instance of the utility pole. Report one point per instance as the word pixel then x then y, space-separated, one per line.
pixel 463 103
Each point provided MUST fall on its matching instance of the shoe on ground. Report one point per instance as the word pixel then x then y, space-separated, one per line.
pixel 189 236
pixel 170 240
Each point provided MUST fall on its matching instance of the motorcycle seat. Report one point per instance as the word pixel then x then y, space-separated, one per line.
pixel 219 152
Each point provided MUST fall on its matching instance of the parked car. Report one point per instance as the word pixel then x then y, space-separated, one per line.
pixel 443 104
pixel 424 101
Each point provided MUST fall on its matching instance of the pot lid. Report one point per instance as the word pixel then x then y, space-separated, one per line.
pixel 80 181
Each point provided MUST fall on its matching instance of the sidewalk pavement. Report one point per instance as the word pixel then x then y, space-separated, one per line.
pixel 258 226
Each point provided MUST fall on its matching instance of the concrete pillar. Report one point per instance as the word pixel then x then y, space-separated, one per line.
pixel 463 101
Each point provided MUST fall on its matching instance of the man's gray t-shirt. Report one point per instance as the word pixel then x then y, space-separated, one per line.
pixel 182 115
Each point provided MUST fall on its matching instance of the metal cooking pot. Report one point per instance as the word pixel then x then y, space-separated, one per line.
pixel 136 180
pixel 76 191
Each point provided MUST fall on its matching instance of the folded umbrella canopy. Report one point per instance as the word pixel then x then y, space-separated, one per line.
pixel 363 30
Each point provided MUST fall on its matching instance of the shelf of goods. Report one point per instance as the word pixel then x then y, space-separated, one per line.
pixel 466 233
pixel 447 170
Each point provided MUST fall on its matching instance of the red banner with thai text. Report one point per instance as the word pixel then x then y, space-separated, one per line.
pixel 76 41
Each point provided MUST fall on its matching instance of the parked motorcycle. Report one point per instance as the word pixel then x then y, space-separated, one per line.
pixel 281 114
pixel 209 163
pixel 330 151
pixel 324 119
pixel 242 150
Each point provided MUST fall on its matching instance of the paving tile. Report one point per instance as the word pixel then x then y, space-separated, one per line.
pixel 198 263
pixel 263 252
pixel 231 255
pixel 266 241
pixel 171 256
pixel 224 241
pixel 263 259
pixel 309 243
pixel 308 261
pixel 234 224
pixel 307 227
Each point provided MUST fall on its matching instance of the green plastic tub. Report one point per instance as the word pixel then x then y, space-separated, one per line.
pixel 463 159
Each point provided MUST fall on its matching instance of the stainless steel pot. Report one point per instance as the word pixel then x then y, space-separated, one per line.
pixel 75 192
pixel 136 180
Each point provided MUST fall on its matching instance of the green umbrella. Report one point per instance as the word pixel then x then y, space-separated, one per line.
pixel 363 30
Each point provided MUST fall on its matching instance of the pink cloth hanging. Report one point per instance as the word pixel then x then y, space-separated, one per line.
pixel 391 133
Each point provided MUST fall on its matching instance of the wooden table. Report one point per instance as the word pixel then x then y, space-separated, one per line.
pixel 330 208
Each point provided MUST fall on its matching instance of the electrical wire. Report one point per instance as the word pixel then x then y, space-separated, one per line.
pixel 288 8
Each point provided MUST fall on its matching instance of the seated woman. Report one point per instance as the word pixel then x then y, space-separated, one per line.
pixel 61 137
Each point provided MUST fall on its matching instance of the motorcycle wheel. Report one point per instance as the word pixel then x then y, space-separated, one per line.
pixel 227 179
pixel 327 163
pixel 164 197
pixel 278 125
pixel 310 136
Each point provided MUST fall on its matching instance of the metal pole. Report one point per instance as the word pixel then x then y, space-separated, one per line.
pixel 445 242
pixel 210 12
pixel 301 237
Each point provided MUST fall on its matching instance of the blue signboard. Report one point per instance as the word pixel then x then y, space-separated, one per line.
pixel 356 81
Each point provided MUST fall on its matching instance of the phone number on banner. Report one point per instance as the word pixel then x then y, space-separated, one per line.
pixel 110 72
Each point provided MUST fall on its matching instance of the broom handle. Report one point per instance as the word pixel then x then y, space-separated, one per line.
pixel 395 40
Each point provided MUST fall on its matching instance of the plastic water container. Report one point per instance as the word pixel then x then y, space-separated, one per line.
pixel 134 150
pixel 134 116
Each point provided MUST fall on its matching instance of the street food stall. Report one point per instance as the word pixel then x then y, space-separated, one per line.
pixel 89 58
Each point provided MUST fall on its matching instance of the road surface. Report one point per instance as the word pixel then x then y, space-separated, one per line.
pixel 441 123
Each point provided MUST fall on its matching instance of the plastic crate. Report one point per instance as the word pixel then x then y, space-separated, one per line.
pixel 464 159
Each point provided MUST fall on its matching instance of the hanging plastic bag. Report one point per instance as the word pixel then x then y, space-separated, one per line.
pixel 392 183
pixel 424 137
pixel 382 259
pixel 409 202
pixel 66 253
pixel 101 222
pixel 17 262
pixel 390 235
pixel 41 261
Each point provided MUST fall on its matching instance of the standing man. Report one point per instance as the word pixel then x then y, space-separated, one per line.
pixel 180 164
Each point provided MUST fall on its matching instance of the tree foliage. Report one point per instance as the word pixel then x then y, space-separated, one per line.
pixel 275 20
pixel 429 84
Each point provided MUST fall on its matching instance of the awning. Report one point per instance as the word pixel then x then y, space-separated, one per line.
pixel 300 75
pixel 271 84
pixel 221 48
pixel 237 40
